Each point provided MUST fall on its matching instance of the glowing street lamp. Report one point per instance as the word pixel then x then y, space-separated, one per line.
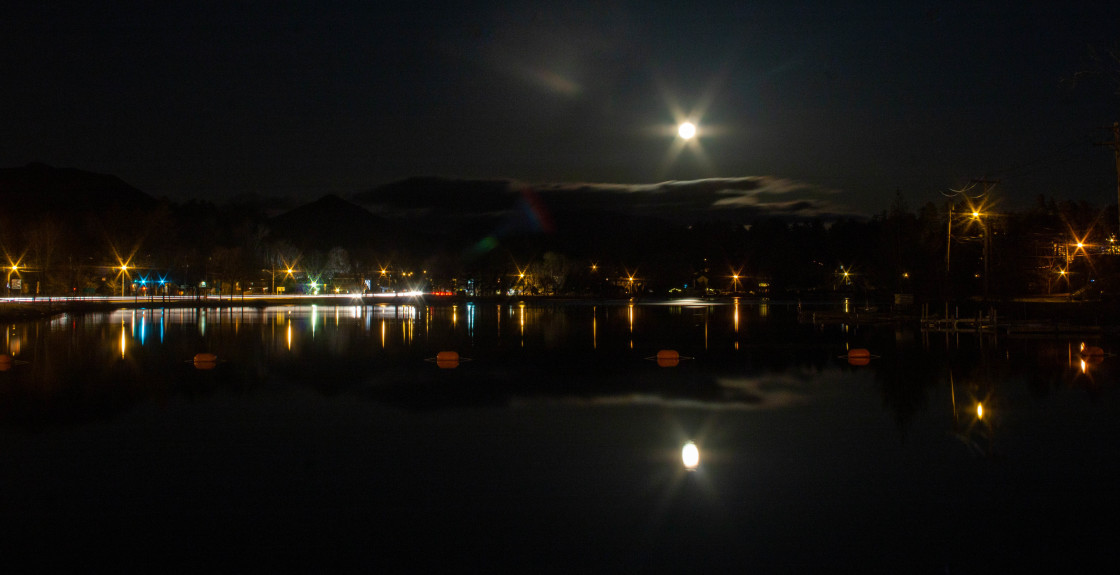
pixel 1080 244
pixel 124 273
pixel 980 217
pixel 14 269
pixel 1063 274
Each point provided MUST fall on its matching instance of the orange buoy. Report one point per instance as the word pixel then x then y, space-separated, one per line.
pixel 447 363
pixel 668 354
pixel 859 356
pixel 668 362
pixel 205 361
pixel 447 356
pixel 1092 355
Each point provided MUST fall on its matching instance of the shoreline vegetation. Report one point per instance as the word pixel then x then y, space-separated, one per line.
pixel 87 236
pixel 1051 314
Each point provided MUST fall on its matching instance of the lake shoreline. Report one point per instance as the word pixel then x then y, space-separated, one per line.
pixel 1053 309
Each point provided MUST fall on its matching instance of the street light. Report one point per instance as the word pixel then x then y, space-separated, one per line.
pixel 288 273
pixel 124 272
pixel 1064 275
pixel 14 269
pixel 979 216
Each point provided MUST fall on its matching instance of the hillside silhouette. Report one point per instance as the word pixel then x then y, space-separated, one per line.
pixel 38 188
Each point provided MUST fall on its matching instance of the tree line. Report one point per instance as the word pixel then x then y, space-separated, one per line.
pixel 940 251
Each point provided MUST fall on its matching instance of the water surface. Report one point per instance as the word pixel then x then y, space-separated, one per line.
pixel 330 438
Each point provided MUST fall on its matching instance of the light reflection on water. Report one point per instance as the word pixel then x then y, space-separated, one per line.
pixel 690 456
pixel 734 343
pixel 559 431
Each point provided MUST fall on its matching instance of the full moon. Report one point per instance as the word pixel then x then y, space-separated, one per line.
pixel 686 130
pixel 690 455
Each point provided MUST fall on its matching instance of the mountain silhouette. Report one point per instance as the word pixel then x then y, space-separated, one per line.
pixel 331 221
pixel 435 196
pixel 37 188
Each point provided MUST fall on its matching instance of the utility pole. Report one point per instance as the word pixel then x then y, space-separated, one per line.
pixel 954 197
pixel 1115 144
pixel 949 239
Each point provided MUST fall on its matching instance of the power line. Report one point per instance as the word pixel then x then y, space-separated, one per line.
pixel 963 192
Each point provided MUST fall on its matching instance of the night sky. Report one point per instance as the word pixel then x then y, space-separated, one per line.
pixel 300 99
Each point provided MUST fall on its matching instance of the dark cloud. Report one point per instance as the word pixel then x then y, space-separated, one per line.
pixel 710 198
pixel 713 198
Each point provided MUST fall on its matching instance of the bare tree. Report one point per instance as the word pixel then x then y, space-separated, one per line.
pixel 44 238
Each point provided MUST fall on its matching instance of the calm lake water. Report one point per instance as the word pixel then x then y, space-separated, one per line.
pixel 330 439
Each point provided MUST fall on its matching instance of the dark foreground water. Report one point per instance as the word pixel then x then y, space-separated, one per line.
pixel 329 439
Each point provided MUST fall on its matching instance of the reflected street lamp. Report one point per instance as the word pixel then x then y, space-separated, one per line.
pixel 690 456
